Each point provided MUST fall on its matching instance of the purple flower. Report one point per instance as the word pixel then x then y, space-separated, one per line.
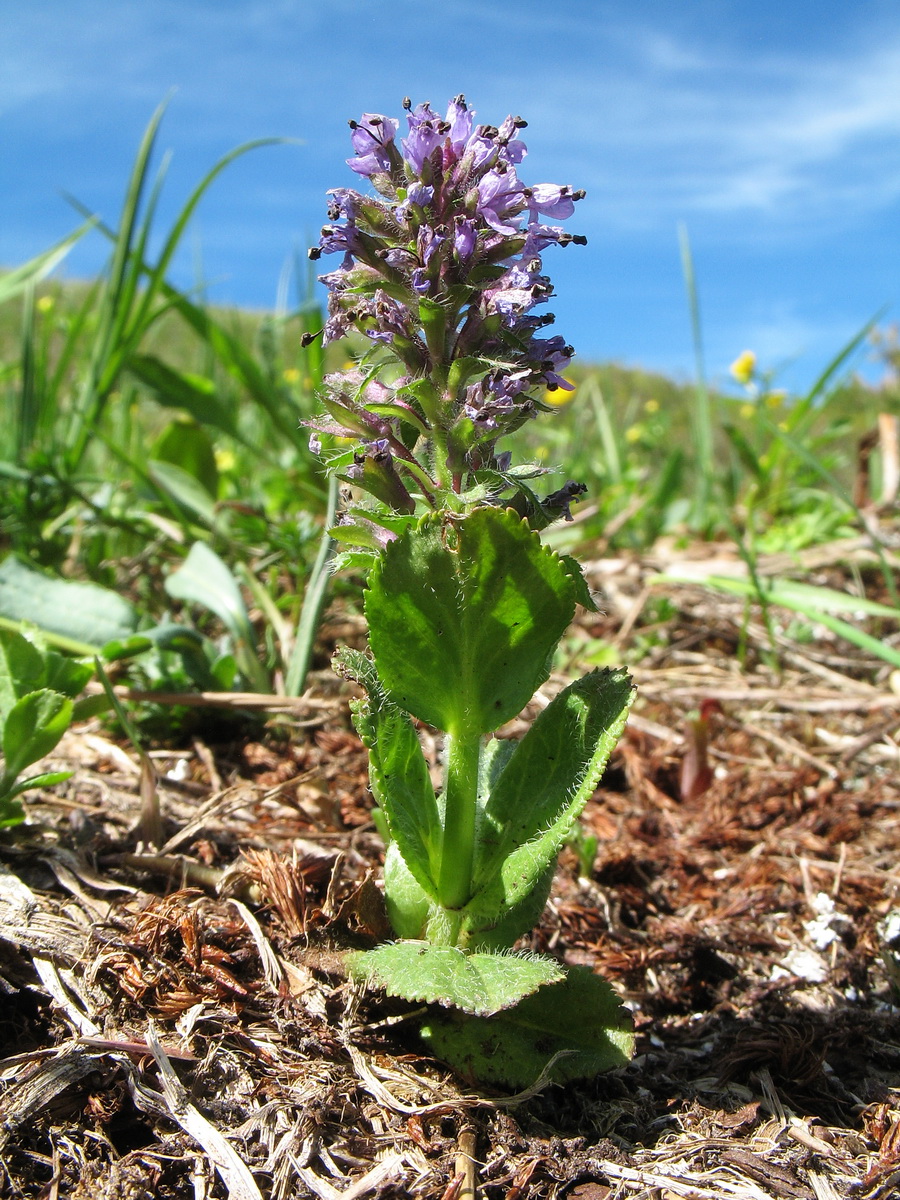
pixel 339 237
pixel 420 194
pixel 464 239
pixel 512 151
pixel 499 197
pixel 426 132
pixel 551 200
pixel 345 204
pixel 459 120
pixel 371 136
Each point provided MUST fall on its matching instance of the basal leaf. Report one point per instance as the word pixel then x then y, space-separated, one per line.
pixel 543 788
pixel 581 1019
pixel 398 773
pixel 463 616
pixel 81 613
pixel 483 984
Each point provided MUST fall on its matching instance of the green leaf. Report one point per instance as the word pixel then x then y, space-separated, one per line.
pixel 13 282
pixel 477 983
pixel 398 774
pixel 817 603
pixel 22 669
pixel 408 905
pixel 581 1019
pixel 186 444
pixel 184 488
pixel 582 591
pixel 203 578
pixel 67 676
pixel 542 790
pixel 47 779
pixel 33 728
pixel 11 812
pixel 82 613
pixel 463 616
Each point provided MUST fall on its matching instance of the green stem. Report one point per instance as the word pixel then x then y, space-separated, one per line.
pixel 458 847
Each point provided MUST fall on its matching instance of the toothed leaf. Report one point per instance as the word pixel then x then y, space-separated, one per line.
pixel 582 1019
pixel 482 984
pixel 463 616
pixel 542 790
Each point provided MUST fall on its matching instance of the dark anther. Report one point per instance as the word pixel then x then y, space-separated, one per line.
pixel 314 252
pixel 579 195
pixel 307 339
pixel 407 103
pixel 519 123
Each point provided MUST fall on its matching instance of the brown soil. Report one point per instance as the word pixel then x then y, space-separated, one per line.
pixel 176 1022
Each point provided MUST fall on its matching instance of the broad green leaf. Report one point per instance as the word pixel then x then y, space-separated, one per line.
pixel 398 772
pixel 463 616
pixel 82 613
pixel 203 578
pixel 581 1019
pixel 483 928
pixel 477 983
pixel 33 728
pixel 22 669
pixel 543 788
pixel 408 905
pixel 65 675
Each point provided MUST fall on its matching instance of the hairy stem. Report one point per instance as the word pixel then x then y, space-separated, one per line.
pixel 460 792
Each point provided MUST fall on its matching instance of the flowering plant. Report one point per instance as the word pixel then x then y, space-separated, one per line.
pixel 441 272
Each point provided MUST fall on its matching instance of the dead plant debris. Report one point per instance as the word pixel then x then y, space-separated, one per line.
pixel 174 1020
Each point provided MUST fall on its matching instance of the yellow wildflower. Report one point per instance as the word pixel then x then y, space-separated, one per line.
pixel 559 396
pixel 226 460
pixel 748 411
pixel 45 304
pixel 634 433
pixel 744 367
pixel 775 399
pixel 652 406
pixel 290 375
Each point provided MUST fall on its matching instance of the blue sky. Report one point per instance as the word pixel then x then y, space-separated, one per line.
pixel 771 130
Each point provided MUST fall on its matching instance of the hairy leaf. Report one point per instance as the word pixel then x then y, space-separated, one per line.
pixel 580 1019
pixel 482 984
pixel 398 773
pixel 463 616
pixel 543 788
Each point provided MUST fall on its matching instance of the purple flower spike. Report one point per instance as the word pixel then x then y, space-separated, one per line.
pixel 441 269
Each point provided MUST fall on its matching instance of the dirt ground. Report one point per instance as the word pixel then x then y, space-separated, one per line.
pixel 175 1021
